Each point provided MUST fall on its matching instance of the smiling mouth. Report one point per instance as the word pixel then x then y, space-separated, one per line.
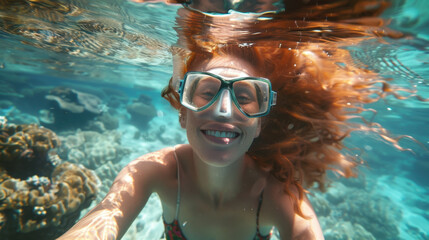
pixel 221 134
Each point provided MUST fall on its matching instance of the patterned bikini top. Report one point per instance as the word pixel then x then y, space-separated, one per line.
pixel 173 230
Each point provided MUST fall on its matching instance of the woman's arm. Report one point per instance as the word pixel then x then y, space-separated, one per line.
pixel 291 226
pixel 129 193
pixel 307 229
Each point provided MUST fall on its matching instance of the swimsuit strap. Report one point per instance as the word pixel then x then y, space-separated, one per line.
pixel 261 197
pixel 178 185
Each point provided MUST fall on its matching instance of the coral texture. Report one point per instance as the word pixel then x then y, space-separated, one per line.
pixel 93 149
pixel 41 200
pixel 25 150
pixel 380 216
pixel 141 111
pixel 101 152
pixel 346 230
pixel 70 109
pixel 75 101
pixel 356 213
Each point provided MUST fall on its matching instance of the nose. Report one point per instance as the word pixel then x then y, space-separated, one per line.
pixel 223 107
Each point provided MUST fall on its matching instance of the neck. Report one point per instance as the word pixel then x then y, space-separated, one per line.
pixel 219 184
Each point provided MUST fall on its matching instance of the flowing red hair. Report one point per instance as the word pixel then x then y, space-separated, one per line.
pixel 318 85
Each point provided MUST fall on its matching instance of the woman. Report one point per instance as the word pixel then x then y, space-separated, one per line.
pixel 210 188
pixel 264 120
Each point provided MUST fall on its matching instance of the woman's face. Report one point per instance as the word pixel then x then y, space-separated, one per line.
pixel 221 134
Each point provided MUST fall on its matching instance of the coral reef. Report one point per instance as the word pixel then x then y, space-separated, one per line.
pixel 101 152
pixel 101 123
pixel 356 213
pixel 162 133
pixel 74 101
pixel 69 108
pixel 345 230
pixel 141 111
pixel 93 149
pixel 17 116
pixel 44 207
pixel 108 120
pixel 40 197
pixel 380 218
pixel 116 98
pixel 25 150
pixel 107 172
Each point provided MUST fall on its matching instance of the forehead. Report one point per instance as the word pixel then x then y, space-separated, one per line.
pixel 228 72
pixel 225 66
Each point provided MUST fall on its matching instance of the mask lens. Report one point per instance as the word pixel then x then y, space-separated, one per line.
pixel 252 96
pixel 199 90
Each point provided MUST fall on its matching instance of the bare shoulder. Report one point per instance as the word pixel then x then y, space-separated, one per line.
pixel 277 209
pixel 308 227
pixel 160 160
pixel 160 157
pixel 279 212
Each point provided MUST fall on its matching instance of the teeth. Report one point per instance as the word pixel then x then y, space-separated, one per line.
pixel 221 134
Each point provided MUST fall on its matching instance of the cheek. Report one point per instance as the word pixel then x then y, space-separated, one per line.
pixel 255 129
pixel 192 120
pixel 252 129
pixel 189 120
pixel 258 127
pixel 183 119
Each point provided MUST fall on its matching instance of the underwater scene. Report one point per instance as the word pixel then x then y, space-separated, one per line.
pixel 80 98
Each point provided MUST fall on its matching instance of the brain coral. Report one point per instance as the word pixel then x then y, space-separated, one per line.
pixel 39 203
pixel 101 152
pixel 26 150
pixel 93 149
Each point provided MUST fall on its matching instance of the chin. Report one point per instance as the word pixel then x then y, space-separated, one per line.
pixel 219 158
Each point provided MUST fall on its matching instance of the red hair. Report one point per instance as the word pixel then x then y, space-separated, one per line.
pixel 319 89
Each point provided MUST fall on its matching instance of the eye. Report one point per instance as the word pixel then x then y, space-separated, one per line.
pixel 206 93
pixel 205 90
pixel 245 93
pixel 244 98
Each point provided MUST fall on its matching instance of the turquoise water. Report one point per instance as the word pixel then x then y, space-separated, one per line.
pixel 119 50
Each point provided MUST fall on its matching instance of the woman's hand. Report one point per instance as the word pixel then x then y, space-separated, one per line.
pixel 129 193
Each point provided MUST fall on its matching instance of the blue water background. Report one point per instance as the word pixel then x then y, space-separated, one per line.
pixel 393 185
